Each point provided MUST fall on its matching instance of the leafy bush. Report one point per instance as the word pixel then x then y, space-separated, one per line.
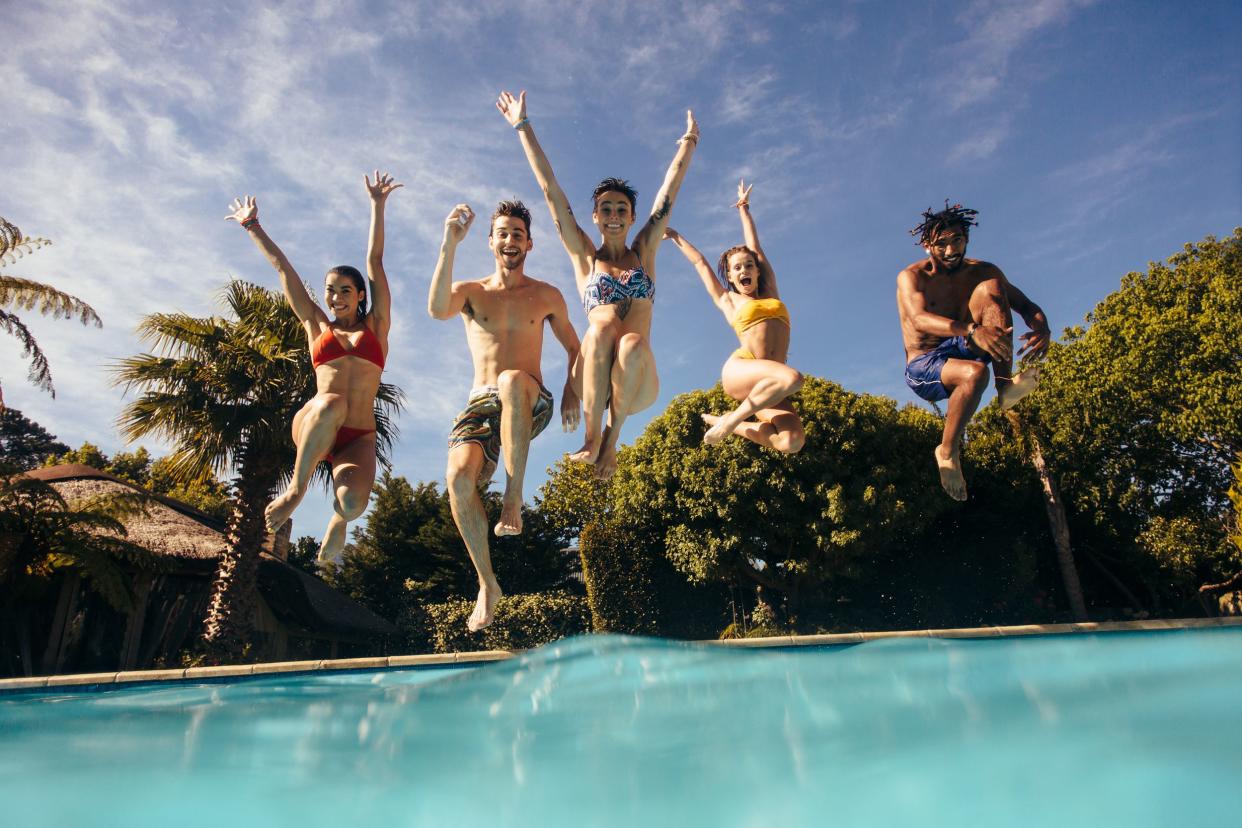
pixel 522 622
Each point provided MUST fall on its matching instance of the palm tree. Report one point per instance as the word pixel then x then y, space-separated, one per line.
pixel 41 535
pixel 27 295
pixel 224 395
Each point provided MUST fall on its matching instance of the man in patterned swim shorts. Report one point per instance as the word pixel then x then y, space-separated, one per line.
pixel 956 319
pixel 504 314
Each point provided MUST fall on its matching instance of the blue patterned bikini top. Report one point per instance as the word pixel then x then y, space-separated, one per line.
pixel 606 289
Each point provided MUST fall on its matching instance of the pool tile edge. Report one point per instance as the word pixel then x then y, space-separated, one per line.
pixel 481 656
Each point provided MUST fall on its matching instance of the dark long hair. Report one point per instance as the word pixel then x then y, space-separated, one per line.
pixel 360 284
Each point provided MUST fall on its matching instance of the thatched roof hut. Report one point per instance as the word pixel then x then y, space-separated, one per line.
pixel 295 605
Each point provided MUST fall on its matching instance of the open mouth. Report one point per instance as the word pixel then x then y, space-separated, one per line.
pixel 509 251
pixel 612 227
pixel 745 281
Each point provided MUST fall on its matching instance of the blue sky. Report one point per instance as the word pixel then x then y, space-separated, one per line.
pixel 1092 137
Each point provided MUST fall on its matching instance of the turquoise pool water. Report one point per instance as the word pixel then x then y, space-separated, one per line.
pixel 1129 729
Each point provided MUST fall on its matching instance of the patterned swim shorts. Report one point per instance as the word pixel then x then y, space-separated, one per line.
pixel 479 423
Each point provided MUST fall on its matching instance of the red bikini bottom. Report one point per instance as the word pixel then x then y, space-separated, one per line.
pixel 346 435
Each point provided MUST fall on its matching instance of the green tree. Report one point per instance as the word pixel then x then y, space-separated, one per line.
pixel 1140 412
pixel 24 294
pixel 24 444
pixel 409 550
pixel 790 524
pixel 224 393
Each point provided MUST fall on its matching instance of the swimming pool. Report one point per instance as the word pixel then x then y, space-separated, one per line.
pixel 1136 728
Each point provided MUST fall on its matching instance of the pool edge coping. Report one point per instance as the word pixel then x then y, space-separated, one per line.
pixel 477 656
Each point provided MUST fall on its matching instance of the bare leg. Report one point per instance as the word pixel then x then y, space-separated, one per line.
pixel 635 386
pixel 465 463
pixel 333 542
pixel 314 430
pixel 989 305
pixel 518 392
pixel 777 428
pixel 353 476
pixel 759 384
pixel 966 381
pixel 598 344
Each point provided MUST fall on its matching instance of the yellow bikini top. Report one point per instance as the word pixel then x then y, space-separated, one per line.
pixel 759 310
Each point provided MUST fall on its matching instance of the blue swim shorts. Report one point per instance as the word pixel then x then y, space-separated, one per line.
pixel 923 373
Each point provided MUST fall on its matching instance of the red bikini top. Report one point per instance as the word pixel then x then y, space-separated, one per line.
pixel 327 348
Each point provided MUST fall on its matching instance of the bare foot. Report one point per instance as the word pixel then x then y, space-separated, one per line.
pixel 510 522
pixel 607 462
pixel 280 510
pixel 951 474
pixel 1022 385
pixel 589 451
pixel 489 594
pixel 718 431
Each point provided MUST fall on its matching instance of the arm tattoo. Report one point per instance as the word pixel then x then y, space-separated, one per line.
pixel 662 210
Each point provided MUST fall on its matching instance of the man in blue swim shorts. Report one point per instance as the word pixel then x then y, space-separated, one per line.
pixel 956 320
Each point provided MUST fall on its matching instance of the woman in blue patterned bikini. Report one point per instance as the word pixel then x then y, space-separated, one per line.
pixel 616 368
pixel 756 374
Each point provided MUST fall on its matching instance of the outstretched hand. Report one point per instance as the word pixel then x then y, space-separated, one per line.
pixel 571 410
pixel 244 209
pixel 671 234
pixel 743 194
pixel 514 109
pixel 458 222
pixel 692 128
pixel 995 341
pixel 1035 343
pixel 383 185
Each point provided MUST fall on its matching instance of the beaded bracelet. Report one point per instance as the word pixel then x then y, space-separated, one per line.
pixel 250 222
pixel 521 123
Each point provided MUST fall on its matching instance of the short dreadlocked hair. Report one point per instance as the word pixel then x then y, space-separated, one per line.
pixel 933 223
pixel 615 185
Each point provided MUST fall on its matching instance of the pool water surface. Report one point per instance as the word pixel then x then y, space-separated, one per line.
pixel 1135 729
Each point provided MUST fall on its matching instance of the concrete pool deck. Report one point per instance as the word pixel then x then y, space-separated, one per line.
pixel 451 659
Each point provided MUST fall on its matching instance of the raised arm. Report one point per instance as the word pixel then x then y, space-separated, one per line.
pixel 577 242
pixel 246 213
pixel 751 236
pixel 381 297
pixel 913 305
pixel 1035 341
pixel 443 302
pixel 563 330
pixel 718 294
pixel 648 239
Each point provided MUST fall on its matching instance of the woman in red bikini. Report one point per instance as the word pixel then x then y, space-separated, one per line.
pixel 348 351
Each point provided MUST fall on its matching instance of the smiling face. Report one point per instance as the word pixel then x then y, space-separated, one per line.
pixel 342 295
pixel 613 215
pixel 509 241
pixel 742 271
pixel 947 248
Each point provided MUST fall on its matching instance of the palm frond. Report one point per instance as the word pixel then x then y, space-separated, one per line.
pixel 40 374
pixel 14 244
pixel 30 295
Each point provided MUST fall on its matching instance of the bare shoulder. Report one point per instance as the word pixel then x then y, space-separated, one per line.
pixel 912 274
pixel 984 270
pixel 548 292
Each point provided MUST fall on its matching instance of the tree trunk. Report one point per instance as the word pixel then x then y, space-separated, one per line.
pixel 228 630
pixel 1057 521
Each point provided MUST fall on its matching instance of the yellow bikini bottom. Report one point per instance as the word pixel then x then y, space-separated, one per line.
pixel 742 353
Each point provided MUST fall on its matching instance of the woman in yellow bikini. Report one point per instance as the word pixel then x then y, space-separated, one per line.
pixel 756 373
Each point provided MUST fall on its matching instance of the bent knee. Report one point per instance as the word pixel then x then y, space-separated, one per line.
pixel 328 404
pixel 789 442
pixel 461 479
pixel 631 343
pixel 513 382
pixel 350 506
pixel 600 333
pixel 793 381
